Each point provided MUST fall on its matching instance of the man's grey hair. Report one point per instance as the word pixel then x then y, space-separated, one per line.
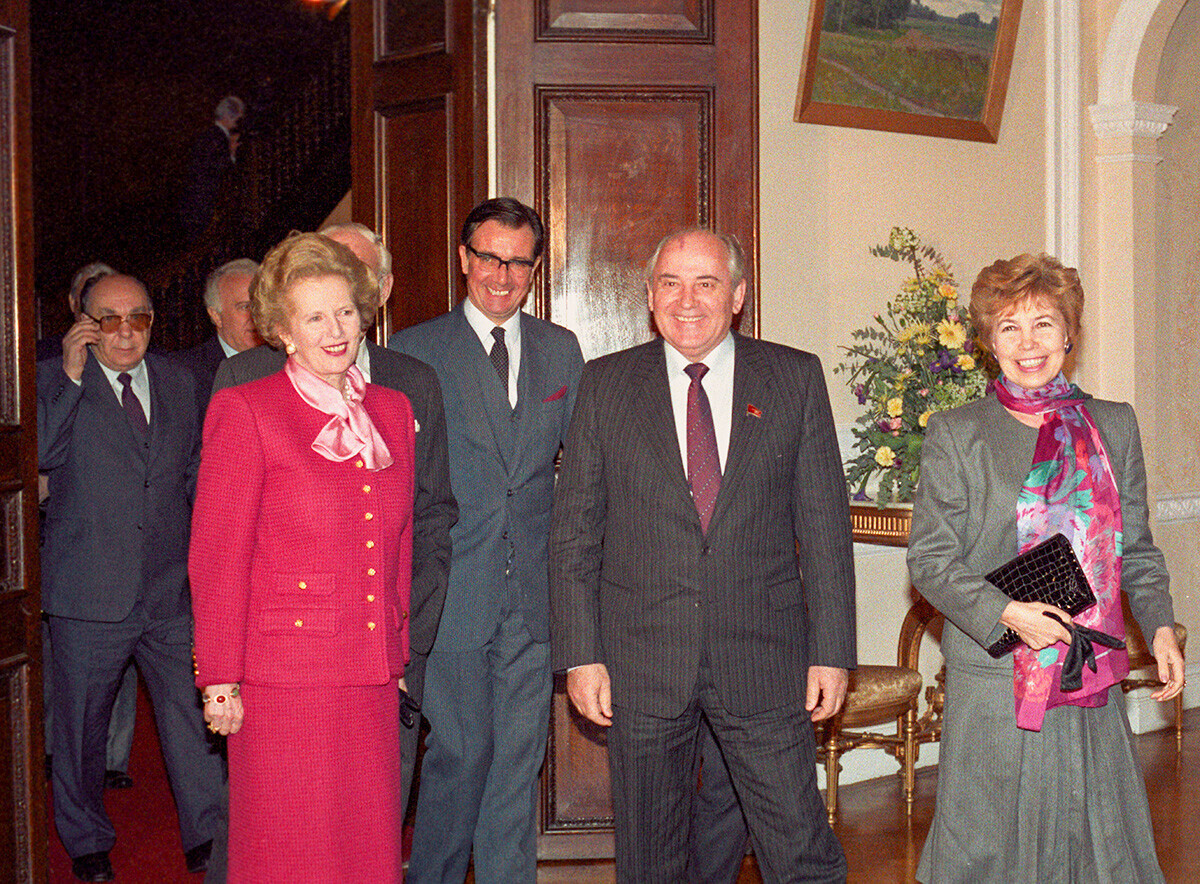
pixel 85 277
pixel 212 288
pixel 733 248
pixel 230 108
pixel 385 257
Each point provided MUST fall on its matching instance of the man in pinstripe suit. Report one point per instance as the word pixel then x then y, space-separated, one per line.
pixel 701 566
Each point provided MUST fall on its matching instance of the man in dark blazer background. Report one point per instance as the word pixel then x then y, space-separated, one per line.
pixel 702 566
pixel 227 300
pixel 434 508
pixel 119 436
pixel 509 381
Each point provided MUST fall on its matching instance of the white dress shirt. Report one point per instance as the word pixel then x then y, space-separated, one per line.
pixel 482 326
pixel 139 383
pixel 718 386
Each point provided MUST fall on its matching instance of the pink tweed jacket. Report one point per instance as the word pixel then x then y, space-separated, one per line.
pixel 299 566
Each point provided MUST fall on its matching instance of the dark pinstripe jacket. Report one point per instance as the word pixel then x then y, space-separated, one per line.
pixel 637 586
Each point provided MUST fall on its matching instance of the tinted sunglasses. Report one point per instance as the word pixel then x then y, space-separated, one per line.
pixel 110 323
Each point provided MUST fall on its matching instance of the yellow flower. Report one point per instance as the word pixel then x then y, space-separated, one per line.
pixel 885 457
pixel 924 418
pixel 951 334
pixel 966 362
pixel 895 407
pixel 947 291
pixel 905 333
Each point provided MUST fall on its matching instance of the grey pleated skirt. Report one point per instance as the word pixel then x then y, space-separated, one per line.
pixel 1065 804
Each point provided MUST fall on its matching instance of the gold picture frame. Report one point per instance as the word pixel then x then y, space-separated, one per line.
pixel 919 72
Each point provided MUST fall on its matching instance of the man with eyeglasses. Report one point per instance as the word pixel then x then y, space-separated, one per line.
pixel 119 436
pixel 508 383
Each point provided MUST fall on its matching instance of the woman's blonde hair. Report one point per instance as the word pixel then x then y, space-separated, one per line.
pixel 305 256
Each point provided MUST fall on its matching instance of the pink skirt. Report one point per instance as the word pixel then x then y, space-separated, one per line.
pixel 314 786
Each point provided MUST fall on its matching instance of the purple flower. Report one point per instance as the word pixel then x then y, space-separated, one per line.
pixel 861 392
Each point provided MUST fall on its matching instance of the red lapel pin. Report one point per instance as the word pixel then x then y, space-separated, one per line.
pixel 753 411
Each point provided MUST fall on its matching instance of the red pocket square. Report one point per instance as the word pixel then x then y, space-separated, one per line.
pixel 753 411
pixel 558 395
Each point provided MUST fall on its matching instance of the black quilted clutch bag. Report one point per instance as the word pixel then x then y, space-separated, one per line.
pixel 1048 573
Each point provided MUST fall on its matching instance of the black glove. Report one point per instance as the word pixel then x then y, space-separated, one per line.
pixel 410 709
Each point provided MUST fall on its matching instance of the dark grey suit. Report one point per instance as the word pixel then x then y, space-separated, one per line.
pixel 434 508
pixel 114 582
pixel 725 623
pixel 488 694
pixel 204 360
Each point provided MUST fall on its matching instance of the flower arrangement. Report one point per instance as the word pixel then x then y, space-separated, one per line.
pixel 917 358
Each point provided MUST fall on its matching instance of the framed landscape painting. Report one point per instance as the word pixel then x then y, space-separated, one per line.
pixel 929 67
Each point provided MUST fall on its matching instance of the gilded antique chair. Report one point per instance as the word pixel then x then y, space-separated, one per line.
pixel 880 695
pixel 1141 657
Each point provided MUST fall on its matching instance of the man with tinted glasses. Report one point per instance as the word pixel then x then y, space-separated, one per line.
pixel 508 383
pixel 119 436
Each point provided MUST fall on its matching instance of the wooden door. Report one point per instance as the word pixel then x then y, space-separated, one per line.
pixel 620 121
pixel 22 778
pixel 419 142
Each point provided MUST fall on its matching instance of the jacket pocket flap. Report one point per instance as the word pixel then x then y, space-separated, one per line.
pixel 321 621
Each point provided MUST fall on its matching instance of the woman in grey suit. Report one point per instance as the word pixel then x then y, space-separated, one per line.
pixel 1037 779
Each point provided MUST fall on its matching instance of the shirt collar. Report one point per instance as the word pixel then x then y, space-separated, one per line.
pixel 137 374
pixel 717 360
pixel 225 348
pixel 482 326
pixel 363 360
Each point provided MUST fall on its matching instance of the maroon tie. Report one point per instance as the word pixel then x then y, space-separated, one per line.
pixel 132 405
pixel 704 463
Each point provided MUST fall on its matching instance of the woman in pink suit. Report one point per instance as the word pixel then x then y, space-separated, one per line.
pixel 300 564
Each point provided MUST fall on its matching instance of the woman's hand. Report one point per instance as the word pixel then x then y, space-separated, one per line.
pixel 1030 622
pixel 1170 664
pixel 223 708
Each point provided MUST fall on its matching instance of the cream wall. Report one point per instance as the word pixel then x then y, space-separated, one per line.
pixel 828 194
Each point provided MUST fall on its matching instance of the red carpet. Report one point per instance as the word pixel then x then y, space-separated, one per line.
pixel 147 849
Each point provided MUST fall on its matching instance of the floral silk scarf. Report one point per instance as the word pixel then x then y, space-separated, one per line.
pixel 1071 489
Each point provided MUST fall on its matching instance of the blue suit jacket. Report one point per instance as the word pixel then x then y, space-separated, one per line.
pixel 504 503
pixel 119 511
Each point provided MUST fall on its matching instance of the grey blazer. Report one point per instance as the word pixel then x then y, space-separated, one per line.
pixel 434 507
pixel 973 463
pixel 501 468
pixel 119 512
pixel 635 583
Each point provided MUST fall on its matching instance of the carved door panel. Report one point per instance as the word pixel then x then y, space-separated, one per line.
pixel 419 142
pixel 22 778
pixel 620 121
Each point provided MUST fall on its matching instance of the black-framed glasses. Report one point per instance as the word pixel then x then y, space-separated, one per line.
pixel 111 322
pixel 491 263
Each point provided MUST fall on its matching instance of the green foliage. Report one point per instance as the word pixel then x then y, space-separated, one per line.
pixel 915 359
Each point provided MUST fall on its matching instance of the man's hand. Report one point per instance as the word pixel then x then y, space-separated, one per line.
pixel 826 691
pixel 75 342
pixel 590 691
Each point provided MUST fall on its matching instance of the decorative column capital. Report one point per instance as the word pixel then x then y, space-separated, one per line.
pixel 1131 118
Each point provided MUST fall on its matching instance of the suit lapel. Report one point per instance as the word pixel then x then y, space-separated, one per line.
pixel 753 407
pixel 160 406
pixel 656 419
pixel 97 388
pixel 477 377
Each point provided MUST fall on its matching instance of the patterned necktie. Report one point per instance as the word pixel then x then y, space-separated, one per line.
pixel 499 356
pixel 704 463
pixel 132 405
